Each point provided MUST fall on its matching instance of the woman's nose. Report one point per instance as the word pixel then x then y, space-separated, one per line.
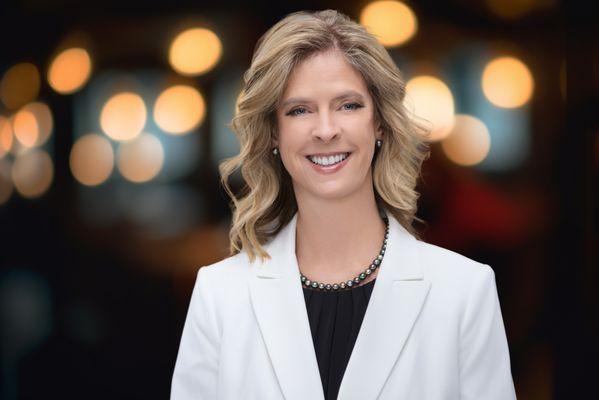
pixel 327 129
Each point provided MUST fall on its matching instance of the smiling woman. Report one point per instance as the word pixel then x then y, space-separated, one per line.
pixel 328 293
pixel 330 135
pixel 312 74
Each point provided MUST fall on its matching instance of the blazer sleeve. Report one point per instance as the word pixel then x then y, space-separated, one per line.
pixel 484 359
pixel 196 368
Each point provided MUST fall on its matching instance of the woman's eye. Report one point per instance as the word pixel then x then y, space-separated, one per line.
pixel 302 110
pixel 293 112
pixel 354 105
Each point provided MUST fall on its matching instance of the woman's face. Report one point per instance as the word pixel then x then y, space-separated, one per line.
pixel 326 110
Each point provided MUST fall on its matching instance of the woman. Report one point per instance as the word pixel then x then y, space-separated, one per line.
pixel 328 292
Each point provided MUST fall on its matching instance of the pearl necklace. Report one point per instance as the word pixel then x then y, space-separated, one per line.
pixel 352 282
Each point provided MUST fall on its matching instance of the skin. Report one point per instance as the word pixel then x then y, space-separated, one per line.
pixel 339 231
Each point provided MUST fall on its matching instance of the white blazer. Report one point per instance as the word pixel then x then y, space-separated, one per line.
pixel 433 329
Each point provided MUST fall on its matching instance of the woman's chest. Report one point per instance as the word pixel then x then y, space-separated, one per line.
pixel 426 368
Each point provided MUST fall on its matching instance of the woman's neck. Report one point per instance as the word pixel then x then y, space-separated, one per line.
pixel 336 242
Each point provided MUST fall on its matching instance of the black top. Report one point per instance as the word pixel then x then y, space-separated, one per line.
pixel 335 320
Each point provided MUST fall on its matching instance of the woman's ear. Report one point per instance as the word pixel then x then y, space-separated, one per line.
pixel 274 142
pixel 379 132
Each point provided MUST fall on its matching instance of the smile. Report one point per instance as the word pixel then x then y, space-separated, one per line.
pixel 329 165
pixel 331 160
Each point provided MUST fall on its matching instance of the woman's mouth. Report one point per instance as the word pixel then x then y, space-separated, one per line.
pixel 330 164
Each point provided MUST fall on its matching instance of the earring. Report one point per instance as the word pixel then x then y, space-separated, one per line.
pixel 275 151
pixel 379 143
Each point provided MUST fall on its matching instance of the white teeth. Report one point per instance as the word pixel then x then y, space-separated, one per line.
pixel 329 160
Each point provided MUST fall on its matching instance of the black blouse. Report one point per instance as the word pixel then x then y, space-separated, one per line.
pixel 335 320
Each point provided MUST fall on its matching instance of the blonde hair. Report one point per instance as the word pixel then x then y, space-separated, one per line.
pixel 268 202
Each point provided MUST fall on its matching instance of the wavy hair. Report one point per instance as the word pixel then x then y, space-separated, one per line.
pixel 267 202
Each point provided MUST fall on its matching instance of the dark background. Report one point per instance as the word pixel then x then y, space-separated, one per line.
pixel 111 301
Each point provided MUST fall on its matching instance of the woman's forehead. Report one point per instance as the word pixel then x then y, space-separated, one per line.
pixel 322 67
pixel 324 75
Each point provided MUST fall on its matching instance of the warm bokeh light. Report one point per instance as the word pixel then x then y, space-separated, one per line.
pixel 179 109
pixel 6 135
pixel 141 159
pixel 123 116
pixel 507 82
pixel 468 142
pixel 392 22
pixel 195 51
pixel 44 120
pixel 6 186
pixel 91 159
pixel 70 70
pixel 32 124
pixel 25 128
pixel 429 98
pixel 32 173
pixel 19 85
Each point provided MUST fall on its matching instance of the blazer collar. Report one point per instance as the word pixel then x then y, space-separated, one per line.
pixel 278 301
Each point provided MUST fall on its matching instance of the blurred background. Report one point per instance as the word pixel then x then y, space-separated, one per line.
pixel 113 121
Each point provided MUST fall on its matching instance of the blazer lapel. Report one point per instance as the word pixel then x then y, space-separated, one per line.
pixel 395 303
pixel 278 301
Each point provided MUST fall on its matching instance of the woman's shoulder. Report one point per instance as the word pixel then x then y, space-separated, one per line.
pixel 455 278
pixel 223 284
pixel 442 264
pixel 229 271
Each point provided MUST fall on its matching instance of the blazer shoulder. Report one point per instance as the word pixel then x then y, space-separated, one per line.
pixel 440 262
pixel 227 271
pixel 456 279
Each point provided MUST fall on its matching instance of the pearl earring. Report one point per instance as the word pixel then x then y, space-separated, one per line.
pixel 275 151
pixel 379 143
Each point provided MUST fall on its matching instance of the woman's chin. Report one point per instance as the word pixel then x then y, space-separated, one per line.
pixel 331 191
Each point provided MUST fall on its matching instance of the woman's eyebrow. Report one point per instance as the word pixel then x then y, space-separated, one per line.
pixel 342 95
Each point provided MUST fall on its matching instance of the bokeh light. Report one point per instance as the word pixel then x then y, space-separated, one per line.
pixel 6 135
pixel 140 159
pixel 507 82
pixel 429 98
pixel 32 124
pixel 32 173
pixel 123 116
pixel 19 85
pixel 179 109
pixel 25 128
pixel 43 120
pixel 392 22
pixel 195 51
pixel 70 70
pixel 92 159
pixel 469 141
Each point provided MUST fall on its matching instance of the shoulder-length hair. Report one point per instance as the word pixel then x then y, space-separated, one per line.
pixel 268 202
